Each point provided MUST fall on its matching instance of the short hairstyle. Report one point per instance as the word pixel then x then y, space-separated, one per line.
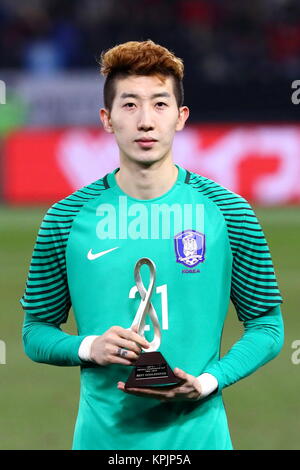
pixel 140 58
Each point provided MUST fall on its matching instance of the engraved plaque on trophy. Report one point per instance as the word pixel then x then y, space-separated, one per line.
pixel 151 369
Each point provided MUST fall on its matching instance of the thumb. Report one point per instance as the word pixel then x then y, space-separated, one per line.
pixel 180 373
pixel 197 385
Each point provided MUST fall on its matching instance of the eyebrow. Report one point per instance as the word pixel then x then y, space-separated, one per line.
pixel 163 94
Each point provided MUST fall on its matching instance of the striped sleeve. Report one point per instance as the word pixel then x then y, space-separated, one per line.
pixel 47 294
pixel 254 288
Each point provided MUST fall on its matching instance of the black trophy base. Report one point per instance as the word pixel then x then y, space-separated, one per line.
pixel 151 370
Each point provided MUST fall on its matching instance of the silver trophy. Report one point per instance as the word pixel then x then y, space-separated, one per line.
pixel 151 368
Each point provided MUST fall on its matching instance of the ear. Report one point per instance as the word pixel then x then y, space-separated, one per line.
pixel 183 115
pixel 106 120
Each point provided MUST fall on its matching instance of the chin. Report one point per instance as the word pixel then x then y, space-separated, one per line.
pixel 147 159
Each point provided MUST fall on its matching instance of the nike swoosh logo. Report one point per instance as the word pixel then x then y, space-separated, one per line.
pixel 91 256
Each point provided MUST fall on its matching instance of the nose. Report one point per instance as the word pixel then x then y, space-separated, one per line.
pixel 145 121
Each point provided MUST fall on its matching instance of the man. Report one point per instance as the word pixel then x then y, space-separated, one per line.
pixel 208 248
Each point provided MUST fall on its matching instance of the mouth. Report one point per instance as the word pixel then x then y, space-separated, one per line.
pixel 146 142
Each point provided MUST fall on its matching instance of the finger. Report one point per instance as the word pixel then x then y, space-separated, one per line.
pixel 188 378
pixel 194 396
pixel 197 386
pixel 140 391
pixel 135 391
pixel 142 342
pixel 180 373
pixel 185 389
pixel 121 386
pixel 149 392
pixel 120 360
pixel 125 354
pixel 116 356
pixel 115 351
pixel 131 335
pixel 190 388
pixel 125 344
pixel 185 394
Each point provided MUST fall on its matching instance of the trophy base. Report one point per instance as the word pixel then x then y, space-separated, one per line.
pixel 152 370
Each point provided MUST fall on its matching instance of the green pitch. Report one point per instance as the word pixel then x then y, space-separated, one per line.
pixel 38 403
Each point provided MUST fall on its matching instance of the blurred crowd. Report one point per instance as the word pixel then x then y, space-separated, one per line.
pixel 221 41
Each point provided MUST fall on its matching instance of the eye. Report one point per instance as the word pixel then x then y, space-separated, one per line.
pixel 161 104
pixel 129 105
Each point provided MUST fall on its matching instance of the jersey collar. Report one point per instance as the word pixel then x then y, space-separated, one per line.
pixel 111 182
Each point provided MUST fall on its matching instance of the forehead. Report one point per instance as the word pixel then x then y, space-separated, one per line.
pixel 143 86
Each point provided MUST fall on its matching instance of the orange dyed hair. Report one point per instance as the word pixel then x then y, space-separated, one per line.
pixel 140 58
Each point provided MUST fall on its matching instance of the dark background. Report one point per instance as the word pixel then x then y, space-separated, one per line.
pixel 240 57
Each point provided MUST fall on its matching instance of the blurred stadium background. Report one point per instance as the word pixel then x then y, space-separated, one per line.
pixel 244 132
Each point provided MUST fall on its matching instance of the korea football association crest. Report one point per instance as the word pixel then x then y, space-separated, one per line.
pixel 189 247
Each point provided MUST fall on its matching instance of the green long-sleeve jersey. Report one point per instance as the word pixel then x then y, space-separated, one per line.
pixel 208 249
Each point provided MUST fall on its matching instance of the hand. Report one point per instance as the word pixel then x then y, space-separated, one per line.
pixel 105 349
pixel 190 389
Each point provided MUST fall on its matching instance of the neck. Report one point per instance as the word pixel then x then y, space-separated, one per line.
pixel 149 182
